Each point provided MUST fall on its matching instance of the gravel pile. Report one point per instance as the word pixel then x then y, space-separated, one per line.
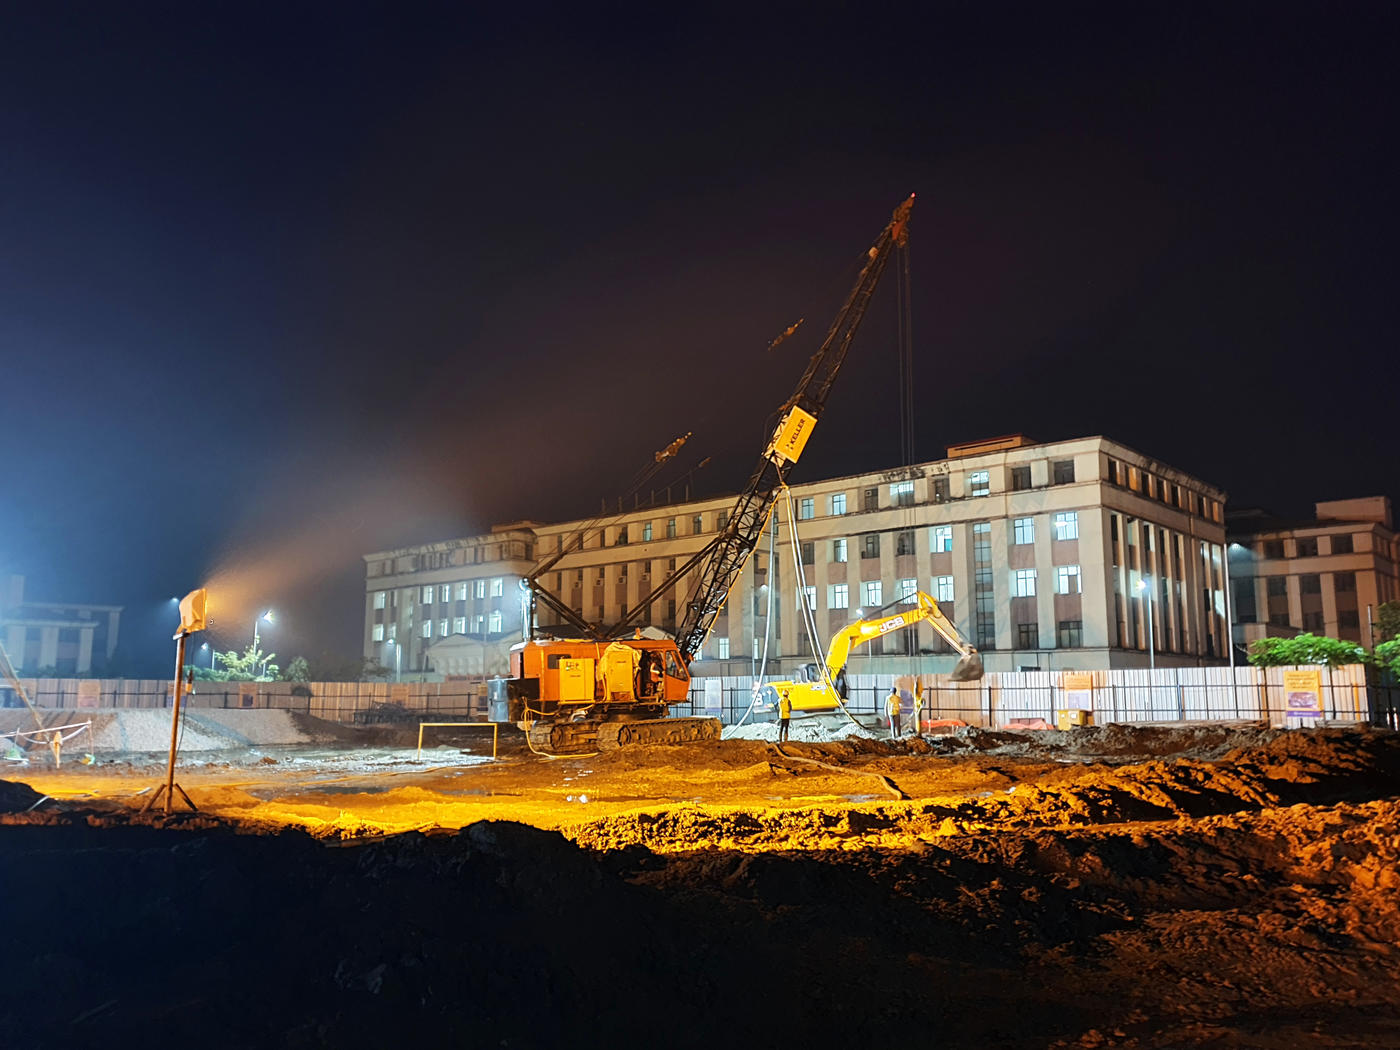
pixel 802 731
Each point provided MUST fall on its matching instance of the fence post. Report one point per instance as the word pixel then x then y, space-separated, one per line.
pixel 1181 699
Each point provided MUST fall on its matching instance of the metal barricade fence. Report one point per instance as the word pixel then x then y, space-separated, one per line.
pixel 1121 695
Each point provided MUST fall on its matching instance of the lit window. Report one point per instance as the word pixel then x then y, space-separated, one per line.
pixel 811 593
pixel 1067 579
pixel 806 508
pixel 1023 530
pixel 461 592
pixel 907 590
pixel 902 494
pixel 837 596
pixel 379 599
pixel 943 588
pixel 942 538
pixel 459 625
pixel 979 483
pixel 442 628
pixel 838 503
pixel 873 593
pixel 427 596
pixel 838 550
pixel 393 631
pixel 445 592
pixel 1023 583
pixel 1067 525
pixel 722 648
pixel 479 588
pixel 646 532
pixel 378 633
pixel 479 624
pixel 427 629
pixel 498 587
pixel 494 623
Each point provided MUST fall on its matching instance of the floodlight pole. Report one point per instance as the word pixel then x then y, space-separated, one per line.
pixel 192 619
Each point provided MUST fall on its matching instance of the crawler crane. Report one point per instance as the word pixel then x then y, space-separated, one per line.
pixel 609 686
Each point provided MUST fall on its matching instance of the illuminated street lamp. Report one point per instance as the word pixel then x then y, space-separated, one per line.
pixel 265 616
pixel 1151 642
pixel 203 646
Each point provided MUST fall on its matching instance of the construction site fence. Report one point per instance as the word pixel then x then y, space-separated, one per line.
pixel 1349 694
pixel 347 702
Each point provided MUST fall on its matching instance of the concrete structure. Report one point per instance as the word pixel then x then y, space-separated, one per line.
pixel 1325 575
pixel 56 637
pixel 1036 551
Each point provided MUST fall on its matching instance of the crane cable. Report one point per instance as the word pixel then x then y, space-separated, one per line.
pixel 809 620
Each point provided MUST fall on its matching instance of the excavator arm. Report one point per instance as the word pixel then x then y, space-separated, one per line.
pixel 968 669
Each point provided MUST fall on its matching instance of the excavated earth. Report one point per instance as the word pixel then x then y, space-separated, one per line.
pixel 1206 886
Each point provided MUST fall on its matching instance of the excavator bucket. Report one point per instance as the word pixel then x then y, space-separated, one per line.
pixel 969 668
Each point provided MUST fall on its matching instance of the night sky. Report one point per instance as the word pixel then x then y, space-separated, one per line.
pixel 284 284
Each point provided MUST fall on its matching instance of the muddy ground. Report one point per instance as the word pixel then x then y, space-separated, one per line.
pixel 1126 887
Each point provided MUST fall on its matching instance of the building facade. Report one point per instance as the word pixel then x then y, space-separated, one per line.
pixel 59 638
pixel 1046 556
pixel 1325 575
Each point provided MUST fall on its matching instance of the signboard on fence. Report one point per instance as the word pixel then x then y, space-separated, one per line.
pixel 1302 691
pixel 247 694
pixel 714 694
pixel 398 694
pixel 89 692
pixel 1077 689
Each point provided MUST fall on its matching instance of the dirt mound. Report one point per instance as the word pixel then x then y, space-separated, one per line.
pixel 16 798
pixel 1320 766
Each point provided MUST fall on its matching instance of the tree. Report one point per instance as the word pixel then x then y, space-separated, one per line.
pixel 297 670
pixel 1387 621
pixel 253 666
pixel 1387 656
pixel 1305 649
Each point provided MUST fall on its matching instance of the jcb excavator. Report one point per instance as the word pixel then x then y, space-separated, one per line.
pixel 610 684
pixel 820 687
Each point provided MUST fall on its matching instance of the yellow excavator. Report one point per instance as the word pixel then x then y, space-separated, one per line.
pixel 823 688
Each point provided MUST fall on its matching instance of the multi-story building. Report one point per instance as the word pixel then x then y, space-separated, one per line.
pixel 1324 575
pixel 60 638
pixel 1049 556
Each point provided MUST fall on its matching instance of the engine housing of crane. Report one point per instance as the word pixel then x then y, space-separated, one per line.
pixel 576 677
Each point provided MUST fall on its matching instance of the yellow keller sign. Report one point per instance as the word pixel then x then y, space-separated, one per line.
pixel 1302 692
pixel 792 435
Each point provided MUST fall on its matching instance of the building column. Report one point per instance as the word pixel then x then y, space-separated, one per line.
pixel 85 651
pixel 48 647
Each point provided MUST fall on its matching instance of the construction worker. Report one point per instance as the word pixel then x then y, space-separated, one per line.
pixel 893 710
pixel 918 710
pixel 784 713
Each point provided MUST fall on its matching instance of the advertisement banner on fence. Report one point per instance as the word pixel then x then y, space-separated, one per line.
pixel 89 693
pixel 1078 690
pixel 1303 690
pixel 714 695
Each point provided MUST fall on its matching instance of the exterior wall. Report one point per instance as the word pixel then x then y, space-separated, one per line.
pixel 59 636
pixel 609 567
pixel 1302 578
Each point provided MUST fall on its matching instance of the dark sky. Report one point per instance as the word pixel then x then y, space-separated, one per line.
pixel 283 284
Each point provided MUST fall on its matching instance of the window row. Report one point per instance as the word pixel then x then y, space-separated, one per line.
pixel 1307 546
pixel 492 623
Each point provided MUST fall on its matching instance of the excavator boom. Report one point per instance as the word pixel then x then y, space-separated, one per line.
pixel 927 611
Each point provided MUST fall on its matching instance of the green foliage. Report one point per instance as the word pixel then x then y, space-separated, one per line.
pixel 1387 621
pixel 298 670
pixel 1387 656
pixel 328 667
pixel 1305 649
pixel 253 665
